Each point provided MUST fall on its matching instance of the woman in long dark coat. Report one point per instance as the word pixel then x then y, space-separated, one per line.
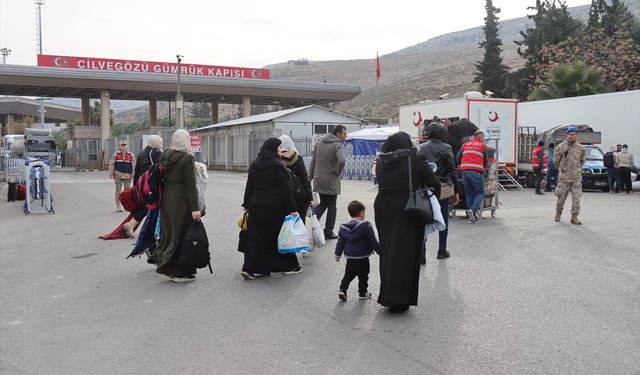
pixel 179 206
pixel 268 198
pixel 400 237
pixel 300 183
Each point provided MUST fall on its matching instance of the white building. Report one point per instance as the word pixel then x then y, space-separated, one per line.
pixel 235 144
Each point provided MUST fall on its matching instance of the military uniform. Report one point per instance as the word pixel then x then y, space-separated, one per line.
pixel 568 160
pixel 121 169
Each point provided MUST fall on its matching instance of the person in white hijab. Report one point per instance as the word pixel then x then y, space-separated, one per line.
pixel 180 141
pixel 287 144
pixel 155 141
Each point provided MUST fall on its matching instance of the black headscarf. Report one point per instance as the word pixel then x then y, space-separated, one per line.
pixel 437 131
pixel 397 141
pixel 269 149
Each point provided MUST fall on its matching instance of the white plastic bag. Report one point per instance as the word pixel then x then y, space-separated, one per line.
pixel 316 231
pixel 293 236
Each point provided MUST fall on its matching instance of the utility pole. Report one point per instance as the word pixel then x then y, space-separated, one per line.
pixel 40 3
pixel 179 101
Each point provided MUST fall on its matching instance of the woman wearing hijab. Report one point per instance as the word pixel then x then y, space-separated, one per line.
pixel 300 184
pixel 147 157
pixel 400 237
pixel 268 198
pixel 179 206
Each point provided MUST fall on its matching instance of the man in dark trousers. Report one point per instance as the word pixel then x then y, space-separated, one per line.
pixel 539 163
pixel 552 172
pixel 325 169
pixel 473 159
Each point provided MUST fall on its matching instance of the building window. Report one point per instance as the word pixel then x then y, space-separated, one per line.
pixel 320 129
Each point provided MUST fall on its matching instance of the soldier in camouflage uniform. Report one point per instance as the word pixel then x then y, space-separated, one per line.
pixel 569 159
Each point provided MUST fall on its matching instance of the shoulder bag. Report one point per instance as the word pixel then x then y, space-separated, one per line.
pixel 418 206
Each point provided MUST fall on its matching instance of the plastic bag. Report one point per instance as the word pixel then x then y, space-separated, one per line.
pixel 317 232
pixel 293 236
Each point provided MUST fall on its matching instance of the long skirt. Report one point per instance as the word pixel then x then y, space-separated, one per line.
pixel 400 245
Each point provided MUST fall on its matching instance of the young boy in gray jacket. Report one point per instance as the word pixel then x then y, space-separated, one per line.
pixel 357 241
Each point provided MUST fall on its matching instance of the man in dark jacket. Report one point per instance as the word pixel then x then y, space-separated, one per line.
pixel 358 241
pixel 437 151
pixel 325 170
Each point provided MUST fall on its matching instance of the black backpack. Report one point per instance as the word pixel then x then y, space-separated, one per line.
pixel 609 159
pixel 194 251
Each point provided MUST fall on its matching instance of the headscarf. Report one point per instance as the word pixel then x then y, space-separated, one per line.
pixel 287 144
pixel 269 149
pixel 613 148
pixel 155 141
pixel 397 141
pixel 180 141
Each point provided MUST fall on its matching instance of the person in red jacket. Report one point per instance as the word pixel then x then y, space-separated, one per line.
pixel 472 159
pixel 539 163
pixel 121 168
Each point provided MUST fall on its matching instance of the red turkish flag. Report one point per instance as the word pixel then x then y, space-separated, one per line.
pixel 378 71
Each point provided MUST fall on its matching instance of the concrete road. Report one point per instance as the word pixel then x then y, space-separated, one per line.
pixel 520 295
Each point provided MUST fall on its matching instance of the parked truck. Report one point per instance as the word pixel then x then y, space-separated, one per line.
pixel 594 173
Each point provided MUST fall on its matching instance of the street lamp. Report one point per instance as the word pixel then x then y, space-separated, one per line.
pixel 5 53
pixel 42 110
pixel 179 101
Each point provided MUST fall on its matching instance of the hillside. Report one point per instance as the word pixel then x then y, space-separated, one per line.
pixel 444 64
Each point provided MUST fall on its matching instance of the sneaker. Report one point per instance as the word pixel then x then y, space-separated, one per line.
pixel 364 295
pixel 539 192
pixel 184 279
pixel 471 217
pixel 342 295
pixel 478 215
pixel 330 236
pixel 443 254
pixel 247 275
pixel 295 270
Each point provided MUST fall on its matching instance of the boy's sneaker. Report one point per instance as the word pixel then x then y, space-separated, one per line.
pixel 342 295
pixel 364 295
pixel 478 215
pixel 293 271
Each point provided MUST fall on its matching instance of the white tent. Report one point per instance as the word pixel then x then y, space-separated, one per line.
pixel 373 134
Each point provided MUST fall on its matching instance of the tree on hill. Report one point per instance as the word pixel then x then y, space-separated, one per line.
pixel 491 72
pixel 552 24
pixel 607 44
pixel 564 81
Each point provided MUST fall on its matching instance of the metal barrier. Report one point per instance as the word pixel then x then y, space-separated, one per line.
pixel 14 169
pixel 358 167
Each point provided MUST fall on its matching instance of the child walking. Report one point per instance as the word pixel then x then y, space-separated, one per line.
pixel 358 241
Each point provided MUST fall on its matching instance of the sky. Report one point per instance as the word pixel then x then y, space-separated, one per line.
pixel 246 33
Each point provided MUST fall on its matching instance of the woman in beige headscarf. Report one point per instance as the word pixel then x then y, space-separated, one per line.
pixel 179 206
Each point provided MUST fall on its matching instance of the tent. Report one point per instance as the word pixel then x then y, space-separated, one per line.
pixel 368 141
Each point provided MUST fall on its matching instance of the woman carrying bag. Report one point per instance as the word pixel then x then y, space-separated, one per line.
pixel 436 150
pixel 268 198
pixel 179 206
pixel 300 184
pixel 400 236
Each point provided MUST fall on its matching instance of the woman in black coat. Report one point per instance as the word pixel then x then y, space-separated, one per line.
pixel 300 183
pixel 400 237
pixel 268 198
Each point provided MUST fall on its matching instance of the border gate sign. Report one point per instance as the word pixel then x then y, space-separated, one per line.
pixel 195 142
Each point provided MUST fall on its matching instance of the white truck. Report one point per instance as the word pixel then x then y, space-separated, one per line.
pixel 498 117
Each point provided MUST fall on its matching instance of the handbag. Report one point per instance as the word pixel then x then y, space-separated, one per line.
pixel 446 190
pixel 418 206
pixel 242 236
pixel 299 191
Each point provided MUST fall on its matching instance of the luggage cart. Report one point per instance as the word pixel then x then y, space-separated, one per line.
pixel 491 184
pixel 37 181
